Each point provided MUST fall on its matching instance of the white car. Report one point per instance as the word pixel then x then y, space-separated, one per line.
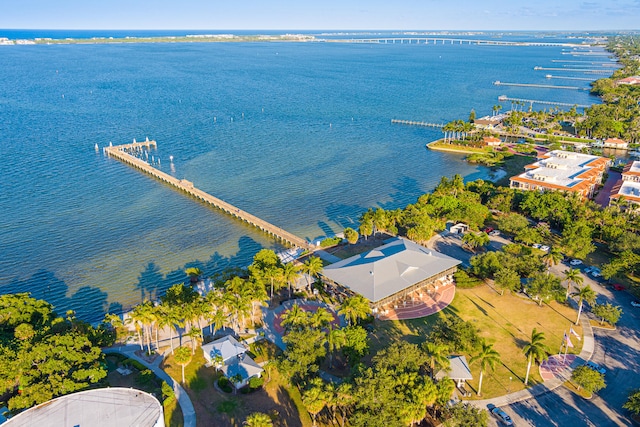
pixel 544 248
pixel 595 272
pixel 635 303
pixel 536 245
pixel 575 262
pixel 495 233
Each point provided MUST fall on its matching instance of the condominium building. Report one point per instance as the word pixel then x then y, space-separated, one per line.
pixel 629 186
pixel 563 171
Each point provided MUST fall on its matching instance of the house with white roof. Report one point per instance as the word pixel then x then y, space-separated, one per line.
pixel 390 272
pixel 563 171
pixel 229 355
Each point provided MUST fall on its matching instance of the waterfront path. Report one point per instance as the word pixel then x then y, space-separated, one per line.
pixel 188 412
pixel 119 152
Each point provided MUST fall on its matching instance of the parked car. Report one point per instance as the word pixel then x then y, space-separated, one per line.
pixel 494 233
pixel 635 303
pixel 488 230
pixel 544 248
pixel 618 287
pixel 588 270
pixel 593 365
pixel 575 262
pixel 536 245
pixel 595 272
pixel 500 414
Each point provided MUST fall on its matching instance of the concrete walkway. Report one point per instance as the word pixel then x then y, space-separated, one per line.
pixel 188 412
pixel 588 347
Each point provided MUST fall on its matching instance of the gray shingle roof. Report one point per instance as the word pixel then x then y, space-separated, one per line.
pixel 388 269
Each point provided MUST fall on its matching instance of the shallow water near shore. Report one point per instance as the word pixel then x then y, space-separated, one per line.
pixel 299 134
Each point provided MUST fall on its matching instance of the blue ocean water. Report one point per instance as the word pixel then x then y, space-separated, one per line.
pixel 299 134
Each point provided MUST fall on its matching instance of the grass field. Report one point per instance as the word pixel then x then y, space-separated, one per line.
pixel 504 321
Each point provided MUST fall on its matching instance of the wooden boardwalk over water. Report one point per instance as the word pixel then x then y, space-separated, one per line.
pixel 120 152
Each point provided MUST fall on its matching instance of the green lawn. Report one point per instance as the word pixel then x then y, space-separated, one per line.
pixel 504 321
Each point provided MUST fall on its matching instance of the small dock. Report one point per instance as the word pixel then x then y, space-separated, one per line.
pixel 503 98
pixel 120 152
pixel 584 79
pixel 499 83
pixel 417 123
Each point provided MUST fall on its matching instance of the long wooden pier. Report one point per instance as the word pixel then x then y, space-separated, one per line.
pixel 417 123
pixel 120 152
pixel 533 101
pixel 499 83
pixel 446 40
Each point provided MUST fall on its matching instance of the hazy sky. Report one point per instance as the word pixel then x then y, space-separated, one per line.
pixel 322 14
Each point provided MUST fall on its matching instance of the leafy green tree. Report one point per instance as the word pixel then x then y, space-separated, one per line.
pixel 512 223
pixel 487 356
pixel 304 350
pixel 587 378
pixel 486 265
pixel 475 241
pixel 458 335
pixel 366 228
pixel 535 350
pixel 544 287
pixel 351 235
pixel 607 312
pixel 355 308
pixel 466 415
pixel 182 356
pixel 528 236
pixel 633 402
pixel 584 294
pixel 193 273
pixel 258 419
pixel 577 239
pixel 506 278
pixel 400 356
pixel 356 343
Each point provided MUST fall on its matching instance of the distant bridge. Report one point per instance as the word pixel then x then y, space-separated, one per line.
pixel 446 40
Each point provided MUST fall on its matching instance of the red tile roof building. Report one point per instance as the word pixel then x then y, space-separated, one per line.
pixel 563 171
pixel 629 186
pixel 616 143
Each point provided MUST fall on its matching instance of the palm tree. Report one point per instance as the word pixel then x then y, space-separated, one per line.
pixel 321 318
pixel 584 294
pixel 290 273
pixel 272 273
pixel 344 398
pixel 143 314
pixel 336 339
pixel 312 266
pixel 551 258
pixel 355 308
pixel 488 357
pixel 258 419
pixel 168 316
pixel 182 357
pixel 315 398
pixel 295 318
pixel 193 273
pixel 572 276
pixel 196 336
pixel 437 356
pixel 536 350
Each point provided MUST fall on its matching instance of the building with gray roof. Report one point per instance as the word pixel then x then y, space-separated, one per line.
pixel 391 271
pixel 101 407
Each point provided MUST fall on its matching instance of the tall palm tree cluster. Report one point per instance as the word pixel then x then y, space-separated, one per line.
pixel 235 303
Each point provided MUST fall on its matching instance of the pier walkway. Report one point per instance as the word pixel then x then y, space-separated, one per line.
pixel 417 123
pixel 447 40
pixel 120 152
pixel 499 83
pixel 503 98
